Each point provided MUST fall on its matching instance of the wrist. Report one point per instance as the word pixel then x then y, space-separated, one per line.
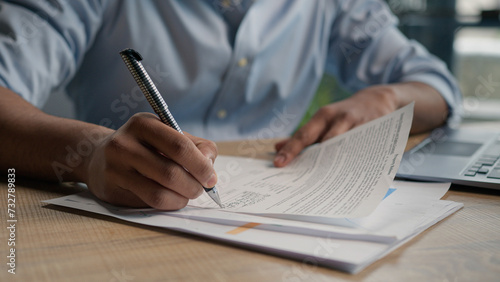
pixel 77 156
pixel 387 95
pixel 431 109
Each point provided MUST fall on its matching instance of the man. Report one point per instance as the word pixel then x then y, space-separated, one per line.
pixel 227 69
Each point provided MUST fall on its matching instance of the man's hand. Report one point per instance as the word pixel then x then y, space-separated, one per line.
pixel 147 163
pixel 366 105
pixel 143 163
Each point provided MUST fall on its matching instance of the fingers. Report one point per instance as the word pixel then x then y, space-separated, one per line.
pixel 280 144
pixel 206 147
pixel 125 154
pixel 153 194
pixel 177 147
pixel 337 118
pixel 147 163
pixel 337 129
pixel 134 190
pixel 302 138
pixel 325 124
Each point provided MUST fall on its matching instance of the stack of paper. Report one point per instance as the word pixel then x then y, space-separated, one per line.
pixel 345 244
pixel 336 205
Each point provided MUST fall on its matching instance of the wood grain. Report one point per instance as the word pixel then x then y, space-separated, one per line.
pixel 59 244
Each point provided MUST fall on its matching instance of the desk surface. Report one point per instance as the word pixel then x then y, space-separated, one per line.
pixel 59 244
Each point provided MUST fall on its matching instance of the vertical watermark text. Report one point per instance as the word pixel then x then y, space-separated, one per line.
pixel 11 220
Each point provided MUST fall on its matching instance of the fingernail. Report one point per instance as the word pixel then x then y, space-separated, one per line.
pixel 212 181
pixel 280 159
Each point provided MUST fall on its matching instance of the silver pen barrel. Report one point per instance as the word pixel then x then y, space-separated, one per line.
pixel 132 60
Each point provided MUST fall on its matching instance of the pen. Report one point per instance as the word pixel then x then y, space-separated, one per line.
pixel 132 60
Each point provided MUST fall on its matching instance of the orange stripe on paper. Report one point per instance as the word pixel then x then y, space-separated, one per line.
pixel 242 228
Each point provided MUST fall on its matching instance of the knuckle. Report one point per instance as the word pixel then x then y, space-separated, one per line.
pixel 139 121
pixel 181 147
pixel 115 144
pixel 203 170
pixel 213 147
pixel 349 117
pixel 301 136
pixel 158 200
pixel 323 111
pixel 171 175
pixel 353 120
pixel 136 120
pixel 139 117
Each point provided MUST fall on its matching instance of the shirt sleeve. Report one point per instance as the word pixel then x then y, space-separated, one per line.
pixel 43 42
pixel 366 48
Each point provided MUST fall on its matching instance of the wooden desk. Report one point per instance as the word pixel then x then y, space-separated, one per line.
pixel 59 244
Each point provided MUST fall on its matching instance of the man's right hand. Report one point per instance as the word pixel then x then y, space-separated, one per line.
pixel 143 163
pixel 148 163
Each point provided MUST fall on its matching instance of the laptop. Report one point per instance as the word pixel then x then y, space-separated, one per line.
pixel 466 156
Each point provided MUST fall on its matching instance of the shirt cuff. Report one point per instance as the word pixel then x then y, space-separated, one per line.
pixel 450 93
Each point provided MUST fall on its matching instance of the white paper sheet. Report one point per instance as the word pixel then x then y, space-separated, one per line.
pixel 346 176
pixel 327 208
pixel 346 248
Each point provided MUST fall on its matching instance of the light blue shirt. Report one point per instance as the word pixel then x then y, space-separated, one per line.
pixel 257 86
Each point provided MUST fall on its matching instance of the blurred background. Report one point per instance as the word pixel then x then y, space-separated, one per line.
pixel 465 34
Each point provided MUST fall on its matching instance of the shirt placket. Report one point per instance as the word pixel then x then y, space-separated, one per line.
pixel 224 113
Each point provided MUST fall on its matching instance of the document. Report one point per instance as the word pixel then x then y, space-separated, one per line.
pixel 336 205
pixel 346 244
pixel 346 176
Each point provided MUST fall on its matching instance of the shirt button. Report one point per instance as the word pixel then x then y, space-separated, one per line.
pixel 243 62
pixel 226 3
pixel 221 114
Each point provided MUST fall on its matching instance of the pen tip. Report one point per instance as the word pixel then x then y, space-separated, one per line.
pixel 212 192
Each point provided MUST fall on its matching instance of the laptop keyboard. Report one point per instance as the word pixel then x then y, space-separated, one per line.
pixel 487 164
